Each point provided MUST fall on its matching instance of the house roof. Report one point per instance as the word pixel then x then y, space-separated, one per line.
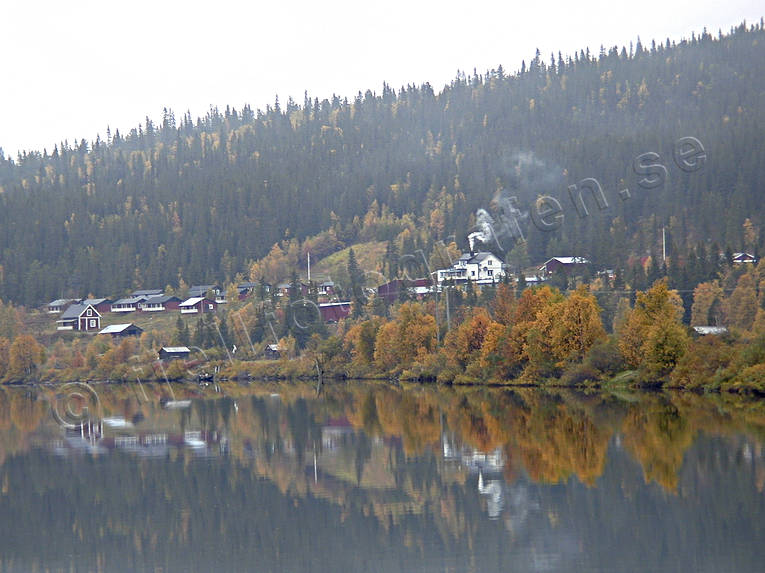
pixel 192 301
pixel 175 349
pixel 147 292
pixel 96 301
pixel 130 300
pixel 201 289
pixel 478 257
pixel 76 311
pixel 744 257
pixel 475 258
pixel 247 285
pixel 160 299
pixel 710 329
pixel 117 328
pixel 60 302
pixel 569 260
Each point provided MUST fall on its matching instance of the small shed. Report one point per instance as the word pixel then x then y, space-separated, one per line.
pixel 272 352
pixel 122 330
pixel 174 352
pixel 245 289
pixel 747 258
pixel 327 288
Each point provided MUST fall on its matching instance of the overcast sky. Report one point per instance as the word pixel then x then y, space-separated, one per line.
pixel 70 69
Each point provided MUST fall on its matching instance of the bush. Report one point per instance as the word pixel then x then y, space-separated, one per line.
pixel 579 374
pixel 751 379
pixel 703 360
pixel 605 357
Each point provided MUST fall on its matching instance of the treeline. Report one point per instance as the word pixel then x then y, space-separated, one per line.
pixel 544 336
pixel 202 200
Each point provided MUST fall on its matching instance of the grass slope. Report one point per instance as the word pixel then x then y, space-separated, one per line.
pixel 334 267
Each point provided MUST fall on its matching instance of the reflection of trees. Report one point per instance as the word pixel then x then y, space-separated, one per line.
pixel 27 410
pixel 547 435
pixel 657 435
pixel 381 477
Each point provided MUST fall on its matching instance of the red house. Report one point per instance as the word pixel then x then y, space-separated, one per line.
pixel 102 305
pixel 390 291
pixel 334 311
pixel 80 317
pixel 564 264
pixel 160 303
pixel 198 305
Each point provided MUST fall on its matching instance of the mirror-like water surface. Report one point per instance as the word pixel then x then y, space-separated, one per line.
pixel 375 478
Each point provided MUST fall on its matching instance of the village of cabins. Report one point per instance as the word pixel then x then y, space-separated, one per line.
pixel 478 268
pixel 85 315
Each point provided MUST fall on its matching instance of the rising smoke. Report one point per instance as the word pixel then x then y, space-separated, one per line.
pixel 503 224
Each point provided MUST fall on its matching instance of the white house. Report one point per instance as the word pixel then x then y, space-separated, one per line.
pixel 481 268
pixel 128 304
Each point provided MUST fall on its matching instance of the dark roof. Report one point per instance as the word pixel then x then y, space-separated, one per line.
pixel 202 289
pixel 96 301
pixel 147 292
pixel 175 349
pixel 160 299
pixel 247 285
pixel 478 257
pixel 75 311
pixel 60 302
pixel 131 300
pixel 120 328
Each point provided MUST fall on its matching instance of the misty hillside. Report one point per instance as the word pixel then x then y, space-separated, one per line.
pixel 201 199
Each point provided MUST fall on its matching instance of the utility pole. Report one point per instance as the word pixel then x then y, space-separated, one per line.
pixel 448 317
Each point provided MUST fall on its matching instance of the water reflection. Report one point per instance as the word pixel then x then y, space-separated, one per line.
pixel 374 478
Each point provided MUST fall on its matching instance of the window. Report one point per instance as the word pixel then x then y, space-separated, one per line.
pixel 92 323
pixel 472 273
pixel 90 312
pixel 210 307
pixel 491 272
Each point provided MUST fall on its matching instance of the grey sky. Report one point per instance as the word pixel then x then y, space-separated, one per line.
pixel 72 68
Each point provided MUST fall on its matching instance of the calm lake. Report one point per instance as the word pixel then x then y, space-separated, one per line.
pixel 377 478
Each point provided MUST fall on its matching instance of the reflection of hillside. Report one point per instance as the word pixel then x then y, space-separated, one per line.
pixel 548 436
pixel 462 479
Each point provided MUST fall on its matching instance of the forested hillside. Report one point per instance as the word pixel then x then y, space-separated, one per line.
pixel 201 200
